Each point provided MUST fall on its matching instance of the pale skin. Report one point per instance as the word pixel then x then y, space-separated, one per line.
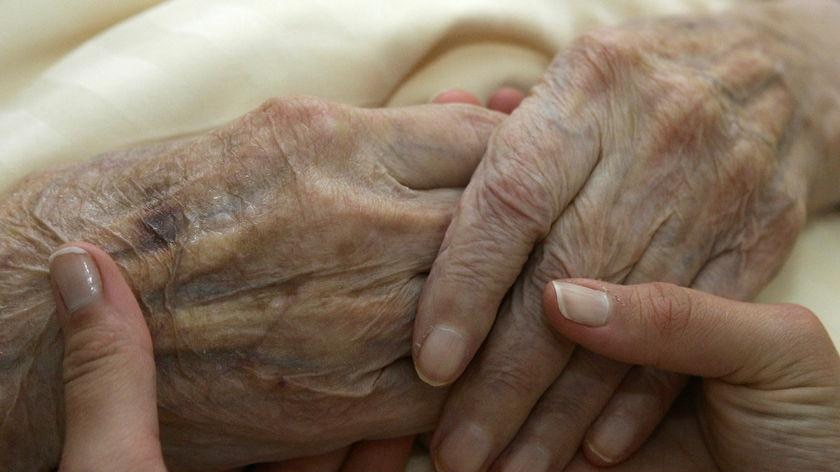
pixel 278 262
pixel 683 150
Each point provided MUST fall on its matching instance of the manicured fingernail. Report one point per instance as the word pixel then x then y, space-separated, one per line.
pixel 76 276
pixel 582 305
pixel 442 356
pixel 528 458
pixel 610 439
pixel 465 449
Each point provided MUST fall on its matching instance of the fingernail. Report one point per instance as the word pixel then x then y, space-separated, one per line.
pixel 582 305
pixel 464 449
pixel 442 356
pixel 76 276
pixel 528 458
pixel 610 439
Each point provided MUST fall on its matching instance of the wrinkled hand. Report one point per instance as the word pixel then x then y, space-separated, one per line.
pixel 769 399
pixel 278 261
pixel 667 150
pixel 109 379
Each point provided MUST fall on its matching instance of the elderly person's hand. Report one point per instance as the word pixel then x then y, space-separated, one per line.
pixel 769 394
pixel 683 150
pixel 110 402
pixel 278 261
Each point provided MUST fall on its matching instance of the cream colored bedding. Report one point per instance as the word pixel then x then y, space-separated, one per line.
pixel 82 76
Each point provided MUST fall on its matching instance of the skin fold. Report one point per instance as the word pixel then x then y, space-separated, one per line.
pixel 278 261
pixel 687 150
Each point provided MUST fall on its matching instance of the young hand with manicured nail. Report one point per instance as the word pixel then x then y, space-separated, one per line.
pixel 110 402
pixel 767 396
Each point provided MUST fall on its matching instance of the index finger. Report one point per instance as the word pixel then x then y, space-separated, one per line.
pixel 532 169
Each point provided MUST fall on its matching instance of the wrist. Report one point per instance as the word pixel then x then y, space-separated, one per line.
pixel 801 35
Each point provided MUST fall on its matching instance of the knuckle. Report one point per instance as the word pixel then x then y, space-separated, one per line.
pixel 662 385
pixel 300 106
pixel 509 379
pixel 602 55
pixel 481 120
pixel 467 262
pixel 303 117
pixel 686 114
pixel 516 197
pixel 565 409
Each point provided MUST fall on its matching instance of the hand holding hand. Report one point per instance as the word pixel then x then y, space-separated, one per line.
pixel 278 261
pixel 111 420
pixel 666 149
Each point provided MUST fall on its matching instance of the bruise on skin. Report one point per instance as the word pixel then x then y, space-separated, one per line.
pixel 159 227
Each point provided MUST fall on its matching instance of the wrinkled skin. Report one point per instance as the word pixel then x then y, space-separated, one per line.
pixel 683 150
pixel 278 262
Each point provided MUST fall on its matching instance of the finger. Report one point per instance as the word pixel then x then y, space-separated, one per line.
pixel 109 367
pixel 505 100
pixel 329 462
pixel 677 444
pixel 384 455
pixel 556 426
pixel 495 395
pixel 673 255
pixel 510 204
pixel 518 363
pixel 400 404
pixel 632 414
pixel 456 96
pixel 434 146
pixel 683 330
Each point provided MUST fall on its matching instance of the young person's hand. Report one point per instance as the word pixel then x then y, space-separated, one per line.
pixel 110 402
pixel 768 397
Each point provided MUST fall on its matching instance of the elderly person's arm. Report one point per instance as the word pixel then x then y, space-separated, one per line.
pixel 687 150
pixel 278 262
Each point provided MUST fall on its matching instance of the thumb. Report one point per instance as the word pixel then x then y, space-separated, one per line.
pixel 109 369
pixel 687 331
